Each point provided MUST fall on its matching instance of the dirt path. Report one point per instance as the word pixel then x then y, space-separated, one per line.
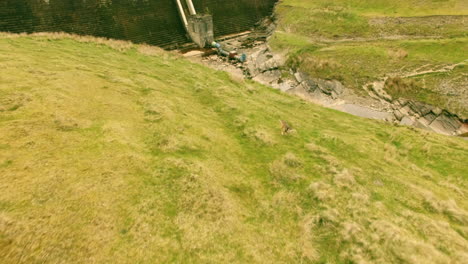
pixel 443 69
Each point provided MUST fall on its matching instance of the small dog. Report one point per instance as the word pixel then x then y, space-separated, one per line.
pixel 285 127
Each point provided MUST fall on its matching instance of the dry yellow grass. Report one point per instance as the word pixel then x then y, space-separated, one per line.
pixel 118 153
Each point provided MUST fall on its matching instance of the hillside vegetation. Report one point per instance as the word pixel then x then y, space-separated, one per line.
pixel 118 153
pixel 422 42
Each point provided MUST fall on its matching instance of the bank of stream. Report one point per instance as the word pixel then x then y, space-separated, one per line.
pixel 268 68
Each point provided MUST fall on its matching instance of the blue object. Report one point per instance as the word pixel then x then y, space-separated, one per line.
pixel 243 57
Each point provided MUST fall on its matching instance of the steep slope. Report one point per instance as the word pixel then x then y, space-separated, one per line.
pixel 117 153
pixel 418 46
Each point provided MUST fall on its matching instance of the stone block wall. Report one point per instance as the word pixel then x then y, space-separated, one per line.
pixel 155 22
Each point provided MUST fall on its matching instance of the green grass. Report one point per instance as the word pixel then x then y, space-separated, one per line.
pixel 387 8
pixel 350 19
pixel 358 42
pixel 118 153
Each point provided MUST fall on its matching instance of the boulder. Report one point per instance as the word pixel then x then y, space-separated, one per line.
pixel 406 121
pixel 286 85
pixel 299 77
pixel 405 110
pixel 446 124
pixel 378 89
pixel 329 87
pixel 423 121
pixel 268 77
pixel 402 102
pixel 420 123
pixel 436 111
pixel 398 115
pixel 420 108
pixel 310 85
pixel 429 118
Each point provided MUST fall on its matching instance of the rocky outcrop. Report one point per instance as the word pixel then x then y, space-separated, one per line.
pixel 266 67
pixel 404 112
pixel 418 114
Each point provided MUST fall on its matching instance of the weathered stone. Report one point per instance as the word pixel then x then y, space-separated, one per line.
pixel 445 124
pixel 328 87
pixel 398 115
pixel 298 77
pixel 268 77
pixel 425 110
pixel 310 85
pixel 378 89
pixel 338 87
pixel 363 111
pixel 285 86
pixel 420 123
pixel 463 129
pixel 387 97
pixel 437 111
pixel 334 95
pixel 430 117
pixel 200 29
pixel 403 102
pixel 260 58
pixel 406 121
pixel 423 121
pixel 299 90
pixel 405 110
pixel 420 108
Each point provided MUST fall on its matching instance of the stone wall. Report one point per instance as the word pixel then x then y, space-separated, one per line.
pixel 235 15
pixel 154 22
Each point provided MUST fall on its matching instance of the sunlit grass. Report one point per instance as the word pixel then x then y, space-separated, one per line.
pixel 118 153
pixel 358 42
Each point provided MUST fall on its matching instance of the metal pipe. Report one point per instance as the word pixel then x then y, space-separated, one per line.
pixel 191 7
pixel 232 55
pixel 182 13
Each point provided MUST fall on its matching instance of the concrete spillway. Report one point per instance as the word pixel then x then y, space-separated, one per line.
pixel 155 22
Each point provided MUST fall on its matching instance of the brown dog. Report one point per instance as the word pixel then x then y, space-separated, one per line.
pixel 285 127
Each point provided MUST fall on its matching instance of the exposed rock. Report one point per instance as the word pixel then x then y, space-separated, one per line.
pixel 363 111
pixel 406 121
pixel 428 119
pixel 310 85
pixel 268 77
pixel 420 123
pixel 298 76
pixel 420 108
pixel 406 110
pixel 402 102
pixel 398 115
pixel 445 124
pixel 285 85
pixel 266 67
pixel 436 111
pixel 330 87
pixel 300 90
pixel 464 129
pixel 423 121
pixel 378 89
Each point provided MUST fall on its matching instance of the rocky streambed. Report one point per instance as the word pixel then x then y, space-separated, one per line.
pixel 268 68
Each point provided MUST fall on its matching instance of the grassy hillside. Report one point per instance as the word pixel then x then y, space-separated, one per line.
pixel 357 18
pixel 116 153
pixel 358 42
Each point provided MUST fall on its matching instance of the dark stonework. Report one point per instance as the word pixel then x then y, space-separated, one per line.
pixel 154 22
